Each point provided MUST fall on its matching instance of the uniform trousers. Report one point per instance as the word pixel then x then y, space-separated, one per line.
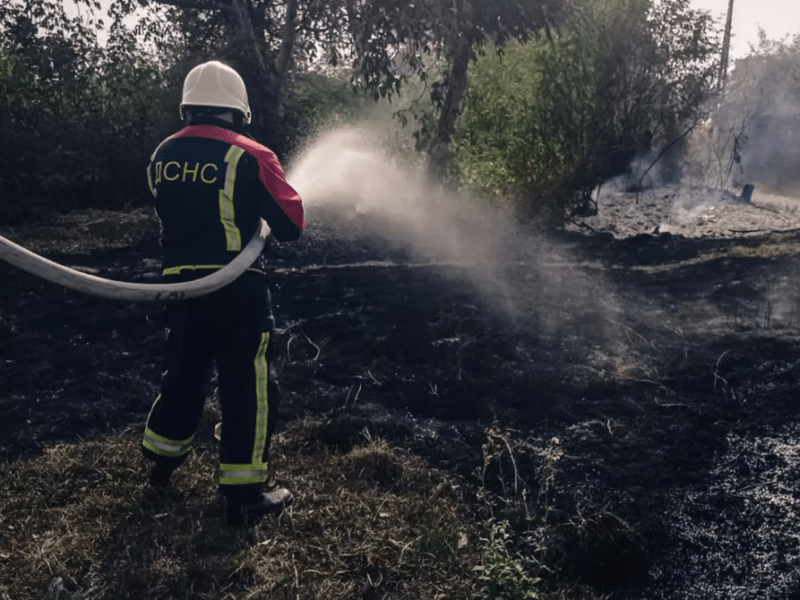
pixel 230 329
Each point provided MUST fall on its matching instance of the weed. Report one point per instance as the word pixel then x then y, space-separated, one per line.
pixel 505 576
pixel 439 543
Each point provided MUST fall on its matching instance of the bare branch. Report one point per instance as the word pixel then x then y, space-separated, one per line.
pixel 197 5
pixel 242 12
pixel 664 150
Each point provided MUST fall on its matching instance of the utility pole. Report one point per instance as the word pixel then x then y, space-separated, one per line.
pixel 726 45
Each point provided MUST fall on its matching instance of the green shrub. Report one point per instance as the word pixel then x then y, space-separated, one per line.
pixel 547 121
pixel 504 575
pixel 80 119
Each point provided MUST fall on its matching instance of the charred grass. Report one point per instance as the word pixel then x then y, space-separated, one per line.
pixel 83 231
pixel 448 455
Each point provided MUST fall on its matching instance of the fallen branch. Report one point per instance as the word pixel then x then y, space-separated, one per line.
pixel 716 371
pixel 371 376
pixel 666 149
pixel 670 405
pixel 581 224
pixel 319 351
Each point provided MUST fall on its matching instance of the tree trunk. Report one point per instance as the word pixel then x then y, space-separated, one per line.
pixel 267 80
pixel 246 33
pixel 284 59
pixel 439 152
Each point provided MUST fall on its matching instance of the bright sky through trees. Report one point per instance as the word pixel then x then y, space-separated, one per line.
pixel 778 18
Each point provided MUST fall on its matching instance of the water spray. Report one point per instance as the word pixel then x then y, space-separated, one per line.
pixel 352 183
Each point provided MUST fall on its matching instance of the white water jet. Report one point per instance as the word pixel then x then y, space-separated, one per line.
pixel 348 180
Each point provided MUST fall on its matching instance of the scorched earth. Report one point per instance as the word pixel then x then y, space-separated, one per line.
pixel 641 367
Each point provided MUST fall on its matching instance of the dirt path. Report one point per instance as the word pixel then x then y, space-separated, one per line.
pixel 657 424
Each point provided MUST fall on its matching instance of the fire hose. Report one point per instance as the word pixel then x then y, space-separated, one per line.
pixel 135 292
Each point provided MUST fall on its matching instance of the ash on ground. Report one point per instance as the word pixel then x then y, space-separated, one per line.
pixel 692 212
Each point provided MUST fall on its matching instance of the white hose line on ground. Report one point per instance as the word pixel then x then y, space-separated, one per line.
pixel 135 292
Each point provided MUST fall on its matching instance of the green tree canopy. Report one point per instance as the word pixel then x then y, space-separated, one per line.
pixel 79 117
pixel 620 75
pixel 384 41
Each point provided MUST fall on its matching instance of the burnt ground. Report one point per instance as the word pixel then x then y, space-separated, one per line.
pixel 656 459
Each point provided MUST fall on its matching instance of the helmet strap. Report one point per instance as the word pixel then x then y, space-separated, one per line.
pixel 196 114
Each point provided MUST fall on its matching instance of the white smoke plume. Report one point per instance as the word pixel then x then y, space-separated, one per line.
pixel 350 182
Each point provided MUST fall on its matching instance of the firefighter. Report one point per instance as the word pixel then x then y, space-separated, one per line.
pixel 211 183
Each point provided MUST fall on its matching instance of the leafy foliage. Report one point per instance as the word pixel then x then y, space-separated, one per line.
pixel 269 43
pixel 547 118
pixel 493 145
pixel 80 118
pixel 384 42
pixel 621 74
pixel 393 39
pixel 505 576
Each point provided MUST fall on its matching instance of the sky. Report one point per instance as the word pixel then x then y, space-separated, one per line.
pixel 777 17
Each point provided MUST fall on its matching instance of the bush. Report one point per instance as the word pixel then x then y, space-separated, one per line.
pixel 547 121
pixel 80 120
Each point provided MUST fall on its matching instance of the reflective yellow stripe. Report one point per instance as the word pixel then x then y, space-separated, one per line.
pixel 164 446
pixel 256 471
pixel 177 270
pixel 262 400
pixel 150 184
pixel 226 213
pixel 242 474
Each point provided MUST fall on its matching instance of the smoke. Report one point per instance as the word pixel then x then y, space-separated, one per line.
pixel 753 132
pixel 351 182
pixel 347 179
pixel 644 172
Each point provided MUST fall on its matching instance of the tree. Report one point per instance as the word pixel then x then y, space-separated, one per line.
pixel 620 75
pixel 385 41
pixel 262 39
pixel 79 119
pixel 752 134
pixel 392 39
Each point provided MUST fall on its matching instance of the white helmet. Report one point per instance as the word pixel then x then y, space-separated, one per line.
pixel 215 84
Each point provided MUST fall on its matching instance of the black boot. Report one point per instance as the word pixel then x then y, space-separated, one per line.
pixel 246 510
pixel 160 476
